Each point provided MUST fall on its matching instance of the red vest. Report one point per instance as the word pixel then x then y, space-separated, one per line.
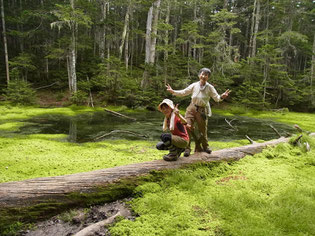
pixel 179 128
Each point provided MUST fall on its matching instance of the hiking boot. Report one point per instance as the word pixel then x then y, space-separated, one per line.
pixel 198 147
pixel 174 154
pixel 180 151
pixel 170 157
pixel 187 152
pixel 207 150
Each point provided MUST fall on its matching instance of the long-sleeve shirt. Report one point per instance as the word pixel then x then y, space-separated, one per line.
pixel 200 95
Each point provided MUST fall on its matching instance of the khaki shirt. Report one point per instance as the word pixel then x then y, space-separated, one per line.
pixel 200 95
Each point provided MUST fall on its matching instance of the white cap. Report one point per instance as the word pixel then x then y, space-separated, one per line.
pixel 167 102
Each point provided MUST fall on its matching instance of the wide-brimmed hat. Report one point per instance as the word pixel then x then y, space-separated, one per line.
pixel 167 102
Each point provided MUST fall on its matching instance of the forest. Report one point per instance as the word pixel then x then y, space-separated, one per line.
pixel 124 52
pixel 68 163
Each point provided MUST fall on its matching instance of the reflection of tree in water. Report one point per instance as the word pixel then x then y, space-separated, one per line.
pixel 73 131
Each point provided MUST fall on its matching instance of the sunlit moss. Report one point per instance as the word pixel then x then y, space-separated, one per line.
pixel 33 156
pixel 305 120
pixel 257 195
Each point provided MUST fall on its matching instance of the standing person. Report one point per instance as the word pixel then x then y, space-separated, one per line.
pixel 199 109
pixel 178 139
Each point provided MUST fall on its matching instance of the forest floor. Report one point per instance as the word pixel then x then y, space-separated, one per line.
pixel 72 222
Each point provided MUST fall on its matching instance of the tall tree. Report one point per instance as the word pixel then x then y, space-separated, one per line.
pixel 71 17
pixel 151 36
pixel 5 44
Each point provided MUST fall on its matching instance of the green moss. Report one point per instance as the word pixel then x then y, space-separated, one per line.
pixel 270 196
pixel 305 120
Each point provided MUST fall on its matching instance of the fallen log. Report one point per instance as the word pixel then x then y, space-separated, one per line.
pixel 229 123
pixel 121 131
pixel 119 114
pixel 91 229
pixel 39 190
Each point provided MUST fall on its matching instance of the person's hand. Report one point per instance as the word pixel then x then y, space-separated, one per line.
pixel 169 88
pixel 188 126
pixel 225 94
pixel 176 111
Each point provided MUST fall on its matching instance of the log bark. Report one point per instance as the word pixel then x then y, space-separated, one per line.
pixel 39 190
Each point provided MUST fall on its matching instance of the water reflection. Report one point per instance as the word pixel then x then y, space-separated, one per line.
pixel 73 131
pixel 148 126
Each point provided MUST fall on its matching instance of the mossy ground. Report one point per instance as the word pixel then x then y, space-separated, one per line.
pixel 271 193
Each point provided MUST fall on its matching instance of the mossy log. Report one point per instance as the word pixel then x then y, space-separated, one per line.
pixel 53 189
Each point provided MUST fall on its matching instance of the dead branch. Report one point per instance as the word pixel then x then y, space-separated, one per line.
pixel 276 131
pixel 298 128
pixel 90 93
pixel 92 229
pixel 229 123
pixel 121 131
pixel 250 140
pixel 307 146
pixel 120 115
pixel 295 142
pixel 46 86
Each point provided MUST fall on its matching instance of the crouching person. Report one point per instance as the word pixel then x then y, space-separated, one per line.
pixel 178 139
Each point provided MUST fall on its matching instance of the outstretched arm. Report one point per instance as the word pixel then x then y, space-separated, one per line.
pixel 169 89
pixel 225 94
pixel 181 93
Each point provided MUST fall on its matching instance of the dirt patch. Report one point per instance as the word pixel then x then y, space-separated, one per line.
pixel 229 178
pixel 72 222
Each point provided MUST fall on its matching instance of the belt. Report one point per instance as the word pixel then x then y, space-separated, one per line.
pixel 200 108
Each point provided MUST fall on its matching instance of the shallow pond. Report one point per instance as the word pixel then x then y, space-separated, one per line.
pixel 148 125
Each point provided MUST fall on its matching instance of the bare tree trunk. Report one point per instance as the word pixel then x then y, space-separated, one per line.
pixel 72 57
pixel 148 35
pixel 126 28
pixel 127 50
pixel 167 21
pixel 5 43
pixel 154 30
pixel 102 29
pixel 252 30
pixel 257 20
pixel 313 70
pixel 254 27
pixel 195 40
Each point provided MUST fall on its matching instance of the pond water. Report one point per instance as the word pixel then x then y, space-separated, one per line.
pixel 98 126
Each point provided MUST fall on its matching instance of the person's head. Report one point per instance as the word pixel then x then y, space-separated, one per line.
pixel 204 75
pixel 166 107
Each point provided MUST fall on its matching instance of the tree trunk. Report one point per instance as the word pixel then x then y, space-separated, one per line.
pixel 313 71
pixel 72 63
pixel 255 26
pixel 125 30
pixel 127 50
pixel 148 35
pixel 5 44
pixel 154 30
pixel 72 76
pixel 102 30
pixel 166 39
pixel 252 30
